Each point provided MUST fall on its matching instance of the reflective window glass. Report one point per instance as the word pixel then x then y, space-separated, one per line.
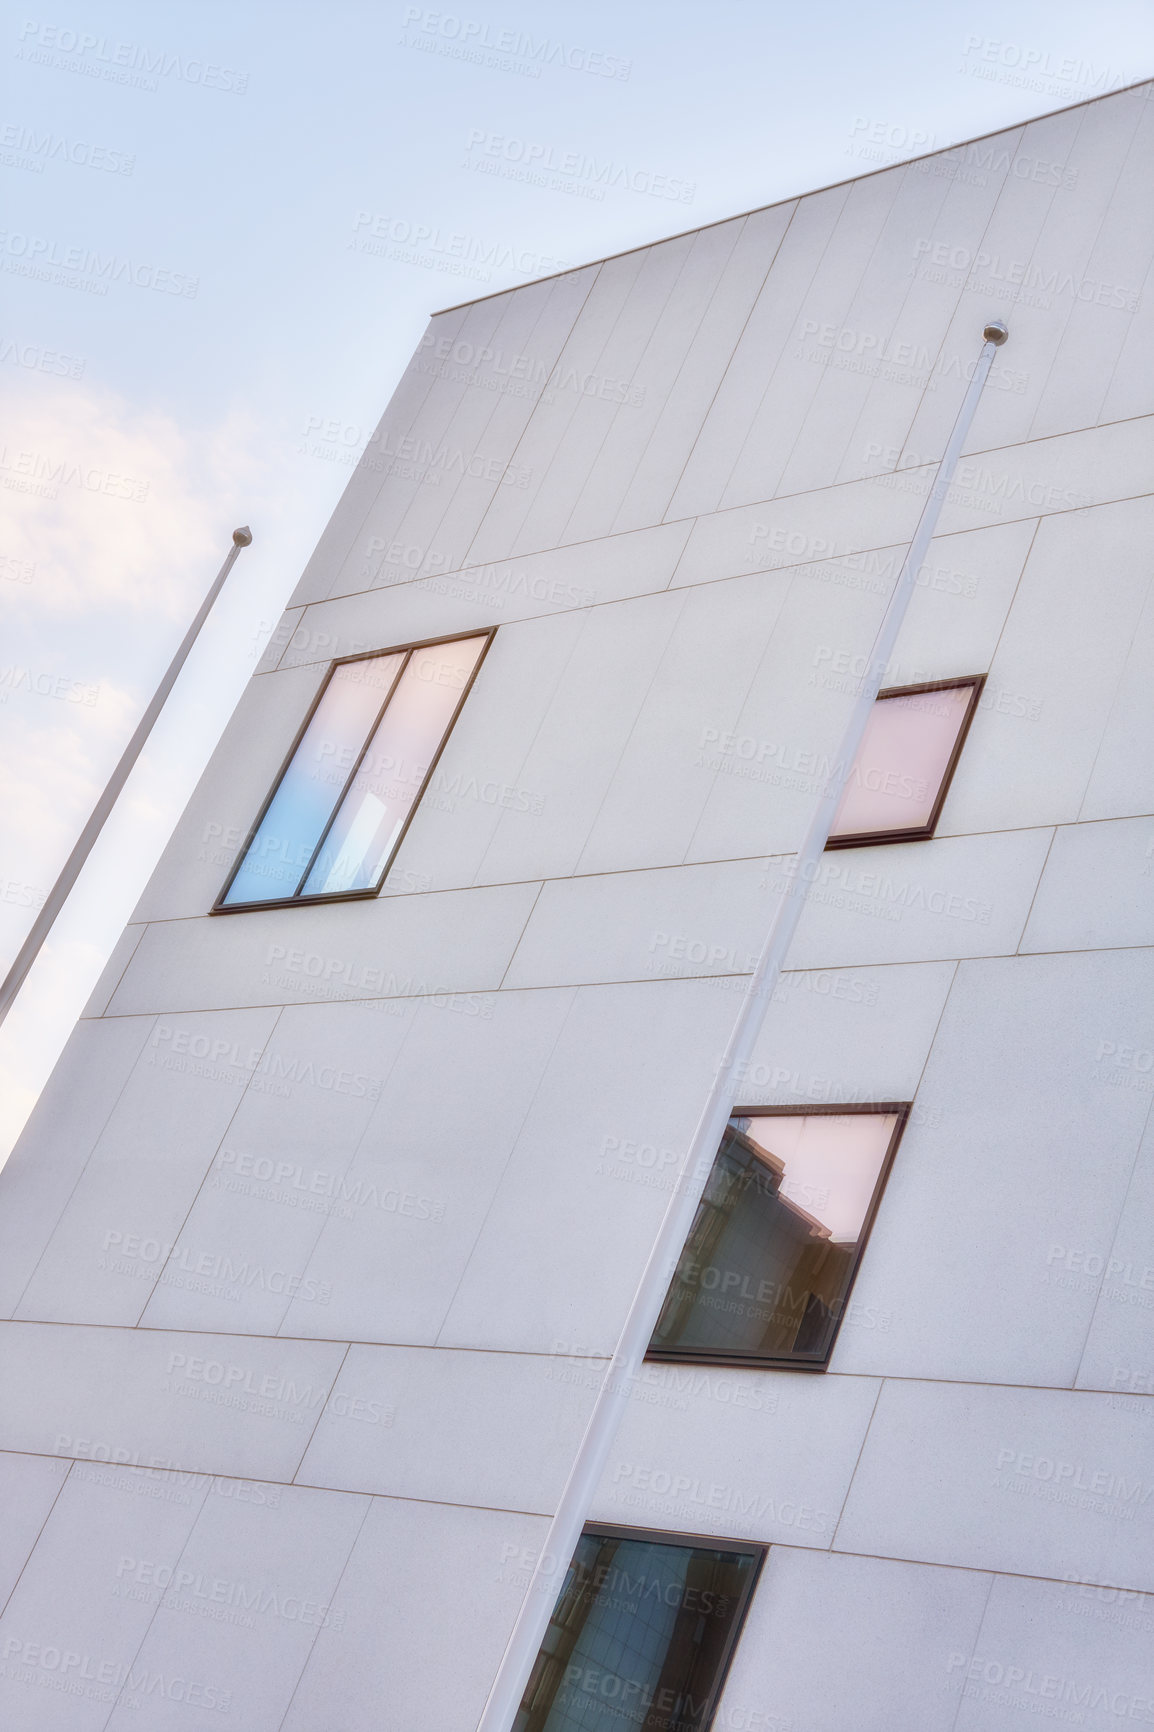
pixel 768 1265
pixel 641 1634
pixel 311 786
pixel 394 768
pixel 900 773
pixel 337 815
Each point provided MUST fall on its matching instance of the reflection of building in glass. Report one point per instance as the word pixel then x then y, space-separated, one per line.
pixel 760 1275
pixel 639 1636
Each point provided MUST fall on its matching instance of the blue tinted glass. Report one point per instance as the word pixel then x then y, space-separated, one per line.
pixel 311 786
pixel 358 847
pixel 639 1637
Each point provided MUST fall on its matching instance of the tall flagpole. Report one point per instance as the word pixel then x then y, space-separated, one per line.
pixel 572 1511
pixel 55 901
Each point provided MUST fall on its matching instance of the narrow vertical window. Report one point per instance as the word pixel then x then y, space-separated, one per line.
pixel 641 1635
pixel 900 776
pixel 336 817
pixel 767 1268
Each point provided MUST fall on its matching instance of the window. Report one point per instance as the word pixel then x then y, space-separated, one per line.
pixel 641 1635
pixel 904 764
pixel 770 1259
pixel 336 816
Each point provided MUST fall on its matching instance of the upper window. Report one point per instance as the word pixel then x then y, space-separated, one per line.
pixel 336 816
pixel 770 1259
pixel 641 1635
pixel 899 778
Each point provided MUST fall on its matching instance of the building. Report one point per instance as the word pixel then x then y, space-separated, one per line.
pixel 320 1238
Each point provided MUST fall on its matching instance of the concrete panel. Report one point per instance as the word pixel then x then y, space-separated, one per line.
pixel 408 945
pixel 38 1179
pixel 109 1247
pixel 989 1248
pixel 765 1455
pixel 1096 888
pixel 431 1670
pixel 896 1626
pixel 1039 1482
pixel 398 1416
pixel 243 1406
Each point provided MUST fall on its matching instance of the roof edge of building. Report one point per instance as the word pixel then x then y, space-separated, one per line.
pixel 830 186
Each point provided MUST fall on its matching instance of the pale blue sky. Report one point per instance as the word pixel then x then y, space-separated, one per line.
pixel 238 152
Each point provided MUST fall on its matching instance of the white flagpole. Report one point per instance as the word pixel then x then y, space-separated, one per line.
pixel 573 1508
pixel 71 869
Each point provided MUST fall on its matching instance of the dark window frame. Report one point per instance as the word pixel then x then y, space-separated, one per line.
pixel 922 832
pixel 404 649
pixel 818 1362
pixel 758 1550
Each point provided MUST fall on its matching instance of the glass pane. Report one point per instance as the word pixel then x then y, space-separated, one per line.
pixel 311 786
pixel 767 1264
pixel 638 1637
pixel 372 814
pixel 901 761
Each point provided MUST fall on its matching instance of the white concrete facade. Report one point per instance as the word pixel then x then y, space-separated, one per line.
pixel 434 1129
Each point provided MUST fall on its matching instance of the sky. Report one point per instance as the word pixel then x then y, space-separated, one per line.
pixel 224 228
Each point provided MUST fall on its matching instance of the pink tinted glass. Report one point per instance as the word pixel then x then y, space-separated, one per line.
pixel 832 1162
pixel 901 761
pixel 380 797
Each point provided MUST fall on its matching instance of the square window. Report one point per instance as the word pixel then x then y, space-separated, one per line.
pixel 340 807
pixel 641 1635
pixel 767 1269
pixel 898 782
